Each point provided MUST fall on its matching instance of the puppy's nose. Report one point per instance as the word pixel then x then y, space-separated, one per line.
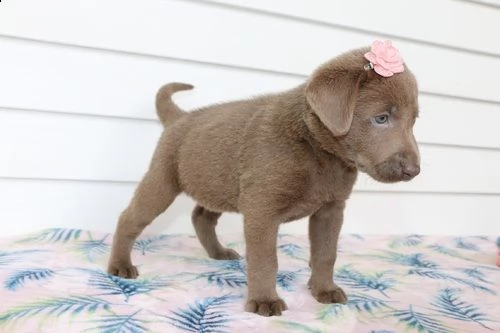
pixel 410 170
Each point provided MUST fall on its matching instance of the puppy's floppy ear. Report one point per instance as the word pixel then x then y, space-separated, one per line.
pixel 332 95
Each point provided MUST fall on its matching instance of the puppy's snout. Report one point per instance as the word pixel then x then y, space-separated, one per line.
pixel 410 170
pixel 399 167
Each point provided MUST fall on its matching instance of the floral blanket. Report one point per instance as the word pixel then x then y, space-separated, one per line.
pixel 54 281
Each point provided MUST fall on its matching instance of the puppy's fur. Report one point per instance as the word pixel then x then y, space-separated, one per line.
pixel 275 159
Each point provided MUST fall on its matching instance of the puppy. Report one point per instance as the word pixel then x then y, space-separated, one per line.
pixel 279 158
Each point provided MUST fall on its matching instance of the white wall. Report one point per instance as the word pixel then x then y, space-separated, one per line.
pixel 78 78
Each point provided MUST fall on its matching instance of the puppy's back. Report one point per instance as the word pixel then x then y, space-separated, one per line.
pixel 210 141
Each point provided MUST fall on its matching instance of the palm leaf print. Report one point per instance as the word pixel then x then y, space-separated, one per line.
pixel 119 324
pixel 299 327
pixel 292 250
pixel 54 308
pixel 410 240
pixel 357 236
pixel 286 279
pixel 283 235
pixel 205 315
pixel 438 275
pixel 230 279
pixel 475 273
pixel 19 278
pixel 92 249
pixel 7 258
pixel 366 303
pixel 377 281
pixel 114 285
pixel 151 244
pixel 331 310
pixel 461 243
pixel 358 303
pixel 449 304
pixel 54 235
pixel 414 259
pixel 444 250
pixel 231 265
pixel 231 273
pixel 419 321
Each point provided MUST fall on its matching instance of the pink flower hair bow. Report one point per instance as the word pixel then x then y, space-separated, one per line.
pixel 384 59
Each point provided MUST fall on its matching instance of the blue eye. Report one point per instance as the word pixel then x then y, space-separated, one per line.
pixel 382 119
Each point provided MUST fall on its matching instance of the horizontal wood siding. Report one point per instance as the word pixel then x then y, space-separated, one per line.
pixel 78 79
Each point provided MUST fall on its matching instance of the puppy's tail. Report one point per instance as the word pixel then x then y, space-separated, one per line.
pixel 168 112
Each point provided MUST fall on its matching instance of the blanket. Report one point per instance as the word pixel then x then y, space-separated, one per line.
pixel 55 281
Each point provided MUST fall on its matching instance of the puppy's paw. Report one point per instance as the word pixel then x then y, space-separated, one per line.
pixel 336 295
pixel 123 271
pixel 226 254
pixel 266 308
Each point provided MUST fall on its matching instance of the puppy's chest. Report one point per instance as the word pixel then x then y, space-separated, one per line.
pixel 332 182
pixel 326 185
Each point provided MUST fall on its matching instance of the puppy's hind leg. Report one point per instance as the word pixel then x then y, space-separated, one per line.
pixel 204 222
pixel 153 196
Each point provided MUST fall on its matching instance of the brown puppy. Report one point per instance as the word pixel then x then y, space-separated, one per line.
pixel 275 159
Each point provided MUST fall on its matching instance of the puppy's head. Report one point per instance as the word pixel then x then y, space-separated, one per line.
pixel 371 116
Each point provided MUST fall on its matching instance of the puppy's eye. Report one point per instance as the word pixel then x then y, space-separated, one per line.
pixel 382 119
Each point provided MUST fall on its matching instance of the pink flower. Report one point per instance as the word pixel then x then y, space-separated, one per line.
pixel 385 58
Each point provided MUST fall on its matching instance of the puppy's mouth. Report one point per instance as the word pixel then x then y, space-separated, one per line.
pixel 390 172
pixel 390 177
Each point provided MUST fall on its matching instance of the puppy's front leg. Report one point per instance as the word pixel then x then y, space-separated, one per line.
pixel 324 230
pixel 262 267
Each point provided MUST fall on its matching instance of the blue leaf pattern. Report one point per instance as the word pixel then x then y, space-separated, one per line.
pixel 414 259
pixel 292 326
pixel 356 280
pixel 445 250
pixel 230 273
pixel 420 321
pixel 463 244
pixel 477 274
pixel 19 278
pixel 93 249
pixel 292 250
pixel 54 235
pixel 434 274
pixel 286 280
pixel 8 258
pixel 356 302
pixel 205 315
pixel 114 285
pixel 152 244
pixel 55 307
pixel 411 240
pixel 449 304
pixel 55 281
pixel 230 279
pixel 120 323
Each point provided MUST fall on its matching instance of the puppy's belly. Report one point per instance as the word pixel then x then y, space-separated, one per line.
pixel 299 211
pixel 215 191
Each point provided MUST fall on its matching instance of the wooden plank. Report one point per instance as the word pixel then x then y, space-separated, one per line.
pixel 444 20
pixel 40 145
pixel 102 84
pixel 44 76
pixel 172 29
pixel 33 205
